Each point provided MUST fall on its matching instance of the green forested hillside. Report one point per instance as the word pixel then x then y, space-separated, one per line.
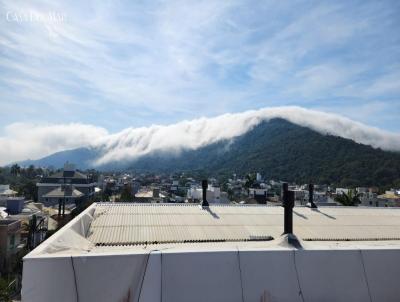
pixel 281 150
pixel 278 149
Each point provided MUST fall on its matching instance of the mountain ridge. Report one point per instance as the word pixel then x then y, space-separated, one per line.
pixel 133 142
pixel 277 148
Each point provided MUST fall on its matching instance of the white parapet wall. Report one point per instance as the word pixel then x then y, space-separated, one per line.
pixel 269 275
pixel 68 267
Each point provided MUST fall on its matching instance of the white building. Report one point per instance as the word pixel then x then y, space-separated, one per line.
pixel 213 194
pixel 179 253
pixel 257 191
pixel 342 190
pixel 320 198
pixel 300 196
pixel 361 190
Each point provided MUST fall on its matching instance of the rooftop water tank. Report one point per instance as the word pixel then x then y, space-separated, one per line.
pixel 15 205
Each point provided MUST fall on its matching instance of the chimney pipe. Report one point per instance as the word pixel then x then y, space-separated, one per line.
pixel 59 207
pixel 311 196
pixel 288 204
pixel 32 232
pixel 204 185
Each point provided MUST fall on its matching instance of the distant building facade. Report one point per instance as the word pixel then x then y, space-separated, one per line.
pixel 10 237
pixel 342 191
pixel 391 198
pixel 259 194
pixel 214 194
pixel 68 185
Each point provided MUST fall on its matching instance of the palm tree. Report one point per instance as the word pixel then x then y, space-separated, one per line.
pixel 350 199
pixel 250 180
pixel 15 169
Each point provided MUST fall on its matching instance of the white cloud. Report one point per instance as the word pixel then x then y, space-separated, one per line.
pixel 22 141
pixel 133 143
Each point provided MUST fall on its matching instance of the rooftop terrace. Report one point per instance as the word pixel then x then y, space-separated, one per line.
pixel 180 253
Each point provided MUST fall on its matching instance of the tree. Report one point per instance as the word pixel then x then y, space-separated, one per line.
pixel 15 169
pixel 30 172
pixel 28 189
pixel 250 180
pixel 126 194
pixel 230 193
pixel 107 192
pixel 349 199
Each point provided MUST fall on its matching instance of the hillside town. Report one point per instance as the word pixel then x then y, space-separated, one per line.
pixel 62 194
pixel 199 151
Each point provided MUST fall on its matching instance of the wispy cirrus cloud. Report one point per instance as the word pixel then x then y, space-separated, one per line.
pixel 122 63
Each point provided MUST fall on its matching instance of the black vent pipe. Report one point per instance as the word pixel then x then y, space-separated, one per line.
pixel 311 196
pixel 288 204
pixel 204 185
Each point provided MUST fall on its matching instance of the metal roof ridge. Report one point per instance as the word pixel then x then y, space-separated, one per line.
pixel 184 204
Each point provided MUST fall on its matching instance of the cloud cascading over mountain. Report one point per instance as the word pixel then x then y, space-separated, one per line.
pixel 21 141
pixel 28 141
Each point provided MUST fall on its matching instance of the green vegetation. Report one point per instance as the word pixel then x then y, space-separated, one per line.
pixel 127 194
pixel 106 193
pixel 22 180
pixel 349 199
pixel 283 151
pixel 278 149
pixel 5 291
pixel 250 180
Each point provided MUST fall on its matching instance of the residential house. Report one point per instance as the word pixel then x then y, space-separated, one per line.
pixel 391 198
pixel 67 186
pixel 10 242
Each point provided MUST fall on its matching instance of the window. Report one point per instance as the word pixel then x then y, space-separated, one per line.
pixel 12 241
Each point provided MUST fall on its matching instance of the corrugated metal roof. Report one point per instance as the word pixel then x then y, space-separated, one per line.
pixel 67 192
pixel 133 224
pixel 68 174
pixel 389 196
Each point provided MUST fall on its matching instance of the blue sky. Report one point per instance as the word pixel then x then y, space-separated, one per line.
pixel 118 64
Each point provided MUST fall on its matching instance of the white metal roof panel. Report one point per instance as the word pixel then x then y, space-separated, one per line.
pixel 133 224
